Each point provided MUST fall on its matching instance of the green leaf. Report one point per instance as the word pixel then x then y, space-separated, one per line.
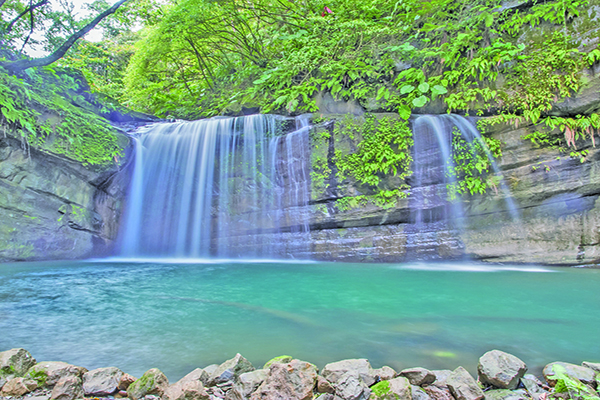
pixel 489 19
pixel 382 93
pixel 406 89
pixel 404 111
pixel 438 89
pixel 420 101
pixel 424 87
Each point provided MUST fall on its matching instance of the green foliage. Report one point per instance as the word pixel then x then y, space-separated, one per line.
pixel 468 170
pixel 383 150
pixel 40 110
pixel 572 386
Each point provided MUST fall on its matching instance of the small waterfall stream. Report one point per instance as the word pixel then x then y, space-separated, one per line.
pixel 201 187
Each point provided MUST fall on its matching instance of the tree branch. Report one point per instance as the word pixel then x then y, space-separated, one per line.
pixel 21 65
pixel 18 17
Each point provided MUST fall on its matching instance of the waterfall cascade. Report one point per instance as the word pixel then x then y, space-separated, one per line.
pixel 240 187
pixel 201 188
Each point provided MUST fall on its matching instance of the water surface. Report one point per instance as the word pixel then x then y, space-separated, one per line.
pixel 179 316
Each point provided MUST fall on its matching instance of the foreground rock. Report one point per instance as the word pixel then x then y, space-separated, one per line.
pixel 463 386
pixel 68 387
pixel 293 381
pixel 153 382
pixel 418 376
pixel 500 369
pixel 49 373
pixel 395 389
pixel 333 372
pixel 190 387
pixel 15 362
pixel 230 369
pixel 584 374
pixel 102 381
pixel 18 387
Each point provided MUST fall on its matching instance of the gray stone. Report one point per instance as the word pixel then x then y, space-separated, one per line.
pixel 323 385
pixel 438 392
pixel 248 382
pixel 395 389
pixel 69 387
pixel 48 373
pixel 532 384
pixel 504 394
pixel 230 369
pixel 463 386
pixel 125 381
pixel 418 393
pixel 152 382
pixel 350 386
pixel 334 371
pixel 384 373
pixel 500 369
pixel 102 381
pixel 211 368
pixel 15 362
pixel 328 105
pixel 584 374
pixel 418 376
pixel 190 387
pixel 441 375
pixel 18 386
pixel 293 381
pixel 591 365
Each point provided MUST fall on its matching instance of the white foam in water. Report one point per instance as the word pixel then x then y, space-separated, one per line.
pixel 468 267
pixel 159 260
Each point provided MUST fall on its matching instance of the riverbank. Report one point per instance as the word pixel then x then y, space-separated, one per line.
pixel 500 376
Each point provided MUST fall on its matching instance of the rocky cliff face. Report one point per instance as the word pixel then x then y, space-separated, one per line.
pixel 54 208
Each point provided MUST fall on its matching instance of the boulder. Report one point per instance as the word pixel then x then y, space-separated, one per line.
pixel 594 366
pixel 153 382
pixel 15 362
pixel 418 376
pixel 500 369
pixel 504 394
pixel 351 386
pixel 438 392
pixel 125 381
pixel 584 374
pixel 293 381
pixel 395 389
pixel 248 382
pixel 190 387
pixel 211 368
pixel 102 381
pixel 280 359
pixel 48 373
pixel 463 386
pixel 68 387
pixel 418 393
pixel 533 384
pixel 229 370
pixel 323 386
pixel 334 371
pixel 441 375
pixel 384 373
pixel 18 386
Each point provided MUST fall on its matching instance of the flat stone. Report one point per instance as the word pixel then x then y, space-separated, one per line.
pixel 334 371
pixel 18 386
pixel 463 386
pixel 500 369
pixel 102 381
pixel 504 394
pixel 15 362
pixel 418 376
pixel 69 387
pixel 153 382
pixel 293 381
pixel 190 387
pixel 229 370
pixel 584 374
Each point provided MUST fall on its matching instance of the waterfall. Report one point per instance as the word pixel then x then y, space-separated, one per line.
pixel 217 188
